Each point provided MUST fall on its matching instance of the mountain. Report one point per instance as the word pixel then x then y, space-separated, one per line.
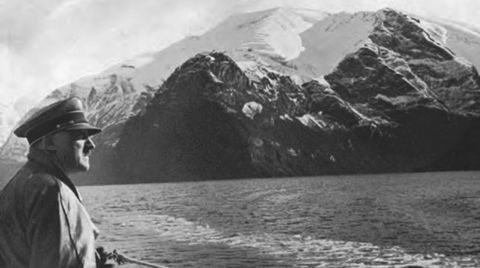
pixel 11 114
pixel 7 119
pixel 288 92
pixel 109 101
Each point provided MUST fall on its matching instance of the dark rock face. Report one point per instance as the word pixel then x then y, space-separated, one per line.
pixel 187 132
pixel 371 120
pixel 110 113
pixel 429 66
pixel 401 103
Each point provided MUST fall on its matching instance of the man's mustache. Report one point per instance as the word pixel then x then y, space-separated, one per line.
pixel 88 147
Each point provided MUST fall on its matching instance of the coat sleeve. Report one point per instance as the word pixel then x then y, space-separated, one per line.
pixel 50 228
pixel 43 228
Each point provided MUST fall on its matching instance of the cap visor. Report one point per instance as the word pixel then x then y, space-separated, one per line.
pixel 84 126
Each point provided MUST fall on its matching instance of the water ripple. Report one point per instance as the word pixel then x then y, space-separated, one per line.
pixel 409 220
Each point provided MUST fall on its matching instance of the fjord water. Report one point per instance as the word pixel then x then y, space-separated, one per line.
pixel 426 219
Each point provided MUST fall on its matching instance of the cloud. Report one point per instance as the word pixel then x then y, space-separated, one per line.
pixel 78 38
pixel 11 76
pixel 21 19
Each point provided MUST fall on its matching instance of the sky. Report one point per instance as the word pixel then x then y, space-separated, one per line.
pixel 45 44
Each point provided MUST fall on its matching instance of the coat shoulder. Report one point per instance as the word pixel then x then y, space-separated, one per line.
pixel 39 180
pixel 42 181
pixel 30 179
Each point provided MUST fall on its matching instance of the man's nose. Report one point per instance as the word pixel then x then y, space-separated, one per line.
pixel 89 145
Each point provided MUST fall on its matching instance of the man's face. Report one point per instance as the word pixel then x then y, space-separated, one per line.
pixel 73 149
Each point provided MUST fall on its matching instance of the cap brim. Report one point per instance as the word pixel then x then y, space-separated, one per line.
pixel 83 126
pixel 80 126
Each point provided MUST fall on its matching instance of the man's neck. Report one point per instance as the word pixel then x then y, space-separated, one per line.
pixel 49 161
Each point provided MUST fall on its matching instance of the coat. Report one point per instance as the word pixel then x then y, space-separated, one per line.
pixel 43 223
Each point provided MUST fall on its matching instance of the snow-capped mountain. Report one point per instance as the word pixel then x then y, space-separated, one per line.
pixel 463 40
pixel 267 38
pixel 11 114
pixel 263 39
pixel 336 85
pixel 8 118
pixel 109 99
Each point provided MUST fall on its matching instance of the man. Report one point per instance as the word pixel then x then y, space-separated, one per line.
pixel 42 220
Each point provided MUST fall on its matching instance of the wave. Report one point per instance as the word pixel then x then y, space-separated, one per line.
pixel 307 251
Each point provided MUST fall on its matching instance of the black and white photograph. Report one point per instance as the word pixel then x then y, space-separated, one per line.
pixel 239 133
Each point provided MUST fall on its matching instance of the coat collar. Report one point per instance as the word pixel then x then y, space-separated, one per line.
pixel 49 163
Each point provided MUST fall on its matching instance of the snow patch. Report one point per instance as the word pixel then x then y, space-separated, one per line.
pixel 330 40
pixel 251 109
pixel 329 90
pixel 292 152
pixel 247 65
pixel 464 28
pixel 436 31
pixel 310 121
pixel 297 79
pixel 286 117
pixel 251 69
pixel 214 78
pixel 321 80
pixel 139 61
pixel 282 33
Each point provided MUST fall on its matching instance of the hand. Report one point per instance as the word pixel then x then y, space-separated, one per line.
pixel 101 256
pixel 118 257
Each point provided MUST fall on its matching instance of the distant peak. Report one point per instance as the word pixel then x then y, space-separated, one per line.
pixel 395 17
pixel 297 9
pixel 127 66
pixel 311 14
pixel 389 10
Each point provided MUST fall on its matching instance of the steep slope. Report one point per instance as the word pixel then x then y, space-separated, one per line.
pixel 256 38
pixel 330 40
pixel 9 117
pixel 461 39
pixel 7 120
pixel 11 114
pixel 109 101
pixel 210 121
pixel 299 43
pixel 401 47
pixel 401 102
pixel 267 38
pixel 138 78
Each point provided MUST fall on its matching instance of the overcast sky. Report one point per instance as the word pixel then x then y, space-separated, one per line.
pixel 47 43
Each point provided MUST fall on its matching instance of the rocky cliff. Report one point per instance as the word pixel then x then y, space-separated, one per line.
pixel 402 102
pixel 210 121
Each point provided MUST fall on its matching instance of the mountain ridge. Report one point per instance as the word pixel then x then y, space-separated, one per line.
pixel 393 66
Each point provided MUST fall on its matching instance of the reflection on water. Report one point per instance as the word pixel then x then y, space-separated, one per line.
pixel 430 219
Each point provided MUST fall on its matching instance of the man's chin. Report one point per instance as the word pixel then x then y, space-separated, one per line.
pixel 84 164
pixel 81 167
pixel 84 167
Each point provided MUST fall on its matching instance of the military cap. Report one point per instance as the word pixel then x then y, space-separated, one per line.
pixel 59 116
